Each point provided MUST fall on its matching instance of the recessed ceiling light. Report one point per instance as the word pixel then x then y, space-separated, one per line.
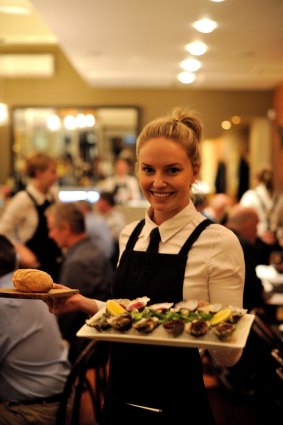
pixel 196 48
pixel 191 64
pixel 236 119
pixel 186 77
pixel 226 125
pixel 217 1
pixel 205 25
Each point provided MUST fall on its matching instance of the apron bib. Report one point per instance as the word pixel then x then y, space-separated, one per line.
pixel 148 375
pixel 48 253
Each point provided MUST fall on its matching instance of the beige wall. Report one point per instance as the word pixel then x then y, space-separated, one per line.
pixel 67 88
pixel 277 148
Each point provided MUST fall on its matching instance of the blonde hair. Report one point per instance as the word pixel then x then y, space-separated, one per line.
pixel 182 126
pixel 38 162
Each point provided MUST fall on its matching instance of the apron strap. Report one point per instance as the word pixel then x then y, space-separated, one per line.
pixel 44 205
pixel 134 235
pixel 194 235
pixel 187 245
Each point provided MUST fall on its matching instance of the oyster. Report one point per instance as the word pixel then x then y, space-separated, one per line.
pixel 161 307
pixel 146 325
pixel 237 313
pixel 197 327
pixel 137 304
pixel 223 330
pixel 186 306
pixel 210 308
pixel 174 327
pixel 123 322
pixel 100 323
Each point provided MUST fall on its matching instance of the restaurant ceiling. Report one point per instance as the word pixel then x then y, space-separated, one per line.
pixel 133 43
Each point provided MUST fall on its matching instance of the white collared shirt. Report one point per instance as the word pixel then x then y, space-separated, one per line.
pixel 215 269
pixel 264 204
pixel 19 218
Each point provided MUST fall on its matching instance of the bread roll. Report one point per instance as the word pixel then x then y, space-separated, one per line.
pixel 32 280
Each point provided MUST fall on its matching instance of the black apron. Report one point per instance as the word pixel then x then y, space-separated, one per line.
pixel 155 376
pixel 46 250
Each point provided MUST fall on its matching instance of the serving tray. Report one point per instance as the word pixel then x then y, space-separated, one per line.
pixel 159 336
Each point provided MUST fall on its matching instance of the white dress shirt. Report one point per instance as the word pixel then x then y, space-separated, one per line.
pixel 264 204
pixel 19 219
pixel 215 269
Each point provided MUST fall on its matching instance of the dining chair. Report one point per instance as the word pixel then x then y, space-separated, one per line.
pixel 93 358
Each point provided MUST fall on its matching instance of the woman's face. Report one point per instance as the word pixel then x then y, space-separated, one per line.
pixel 165 176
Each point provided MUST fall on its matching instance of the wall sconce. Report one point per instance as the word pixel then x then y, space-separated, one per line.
pixel 4 114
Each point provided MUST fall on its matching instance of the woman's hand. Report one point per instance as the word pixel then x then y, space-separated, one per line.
pixel 70 303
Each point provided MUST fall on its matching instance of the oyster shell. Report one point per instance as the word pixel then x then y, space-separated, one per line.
pixel 174 327
pixel 237 313
pixel 137 304
pixel 123 322
pixel 197 327
pixel 146 325
pixel 100 323
pixel 161 307
pixel 223 330
pixel 186 306
pixel 210 308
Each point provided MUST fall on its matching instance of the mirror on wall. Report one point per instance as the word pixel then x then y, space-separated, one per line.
pixel 85 140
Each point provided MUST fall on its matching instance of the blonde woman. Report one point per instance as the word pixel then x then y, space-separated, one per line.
pixel 194 259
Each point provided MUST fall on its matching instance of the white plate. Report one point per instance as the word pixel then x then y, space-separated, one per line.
pixel 159 336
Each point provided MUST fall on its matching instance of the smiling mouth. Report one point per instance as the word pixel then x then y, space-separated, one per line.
pixel 161 195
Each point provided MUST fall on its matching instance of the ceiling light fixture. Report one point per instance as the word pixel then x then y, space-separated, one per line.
pixel 186 77
pixel 196 48
pixel 226 125
pixel 15 7
pixel 191 64
pixel 205 25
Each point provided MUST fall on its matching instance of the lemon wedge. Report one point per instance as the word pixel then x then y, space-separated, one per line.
pixel 221 316
pixel 114 308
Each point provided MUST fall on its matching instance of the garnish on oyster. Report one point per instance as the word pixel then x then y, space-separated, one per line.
pixel 174 327
pixel 146 325
pixel 221 316
pixel 197 327
pixel 123 322
pixel 223 330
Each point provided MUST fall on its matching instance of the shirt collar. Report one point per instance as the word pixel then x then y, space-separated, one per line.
pixel 170 227
pixel 38 196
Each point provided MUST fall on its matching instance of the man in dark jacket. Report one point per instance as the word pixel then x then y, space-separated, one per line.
pixel 85 265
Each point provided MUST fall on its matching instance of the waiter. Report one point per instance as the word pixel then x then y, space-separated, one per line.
pixel 24 221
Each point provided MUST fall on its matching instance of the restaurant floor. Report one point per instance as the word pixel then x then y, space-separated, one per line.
pixel 227 408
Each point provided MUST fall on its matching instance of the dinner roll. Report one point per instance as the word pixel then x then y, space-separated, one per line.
pixel 32 280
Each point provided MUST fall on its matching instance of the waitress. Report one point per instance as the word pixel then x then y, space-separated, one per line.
pixel 24 221
pixel 188 258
